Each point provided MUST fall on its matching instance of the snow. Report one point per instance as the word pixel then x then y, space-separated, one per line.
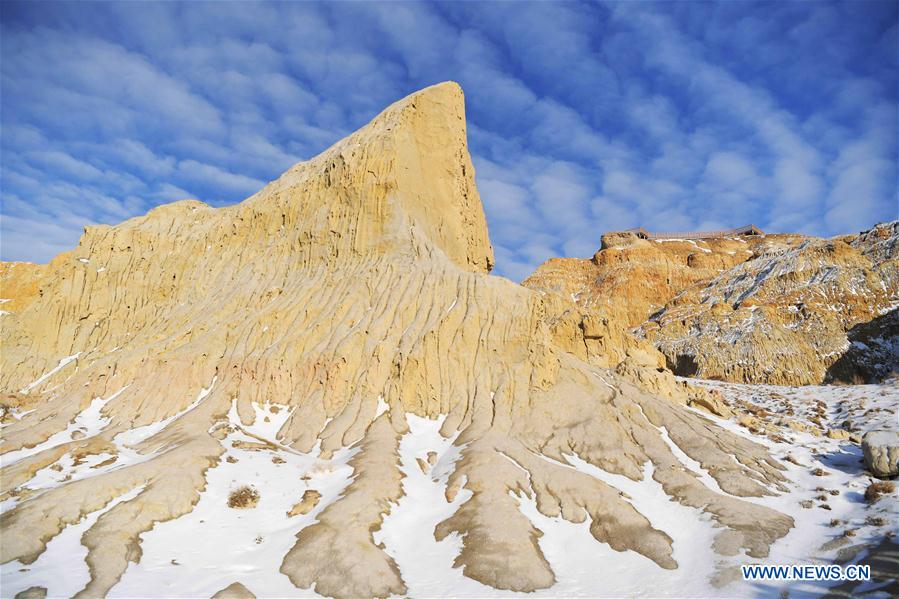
pixel 889 307
pixel 583 566
pixel 691 464
pixel 268 422
pixel 15 413
pixel 215 545
pixel 60 569
pixel 89 422
pixel 427 565
pixel 142 433
pixel 586 568
pixel 870 407
pixel 382 406
pixel 62 364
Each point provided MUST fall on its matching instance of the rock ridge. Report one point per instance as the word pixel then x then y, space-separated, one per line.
pixel 352 295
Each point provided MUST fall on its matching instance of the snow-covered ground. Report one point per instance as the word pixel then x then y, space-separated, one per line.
pixel 60 569
pixel 215 545
pixel 834 523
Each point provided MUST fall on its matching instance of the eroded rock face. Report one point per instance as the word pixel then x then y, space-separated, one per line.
pixel 352 291
pixel 784 316
pixel 779 309
pixel 873 353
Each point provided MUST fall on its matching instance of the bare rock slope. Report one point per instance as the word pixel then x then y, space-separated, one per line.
pixel 351 291
pixel 778 309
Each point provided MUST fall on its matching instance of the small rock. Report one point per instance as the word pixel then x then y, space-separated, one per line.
pixel 234 591
pixel 746 421
pixel 792 460
pixel 881 450
pixel 306 504
pixel 847 554
pixel 807 504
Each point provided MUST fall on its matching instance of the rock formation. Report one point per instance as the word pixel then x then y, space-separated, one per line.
pixel 881 451
pixel 352 291
pixel 777 309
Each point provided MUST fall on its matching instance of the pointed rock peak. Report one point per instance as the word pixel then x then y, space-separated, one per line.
pixel 405 180
pixel 437 175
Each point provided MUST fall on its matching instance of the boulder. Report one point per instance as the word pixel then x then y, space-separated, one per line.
pixel 881 450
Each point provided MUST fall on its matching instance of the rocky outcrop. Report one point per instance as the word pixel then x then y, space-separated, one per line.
pixel 352 291
pixel 608 343
pixel 779 309
pixel 873 353
pixel 629 278
pixel 784 316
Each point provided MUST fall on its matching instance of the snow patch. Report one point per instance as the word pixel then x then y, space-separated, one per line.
pixel 88 422
pixel 214 545
pixel 426 565
pixel 60 569
pixel 142 433
pixel 62 364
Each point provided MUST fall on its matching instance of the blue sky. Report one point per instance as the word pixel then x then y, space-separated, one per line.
pixel 583 117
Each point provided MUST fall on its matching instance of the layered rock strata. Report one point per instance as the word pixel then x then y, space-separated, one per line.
pixel 778 309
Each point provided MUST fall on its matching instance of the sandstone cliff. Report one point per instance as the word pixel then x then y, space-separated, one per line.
pixel 773 309
pixel 350 294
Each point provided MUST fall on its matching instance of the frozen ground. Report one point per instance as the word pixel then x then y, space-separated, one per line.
pixel 834 523
pixel 215 545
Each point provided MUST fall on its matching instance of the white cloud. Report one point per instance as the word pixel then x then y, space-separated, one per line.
pixel 65 163
pixel 579 123
pixel 215 177
pixel 729 170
